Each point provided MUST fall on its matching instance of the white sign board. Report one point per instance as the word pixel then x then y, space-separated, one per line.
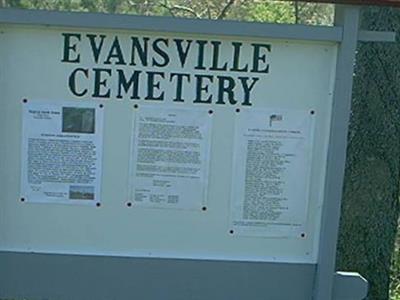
pixel 203 147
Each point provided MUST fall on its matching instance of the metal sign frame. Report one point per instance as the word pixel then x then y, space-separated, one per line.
pixel 48 276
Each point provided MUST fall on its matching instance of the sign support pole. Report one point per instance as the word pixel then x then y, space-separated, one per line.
pixel 348 18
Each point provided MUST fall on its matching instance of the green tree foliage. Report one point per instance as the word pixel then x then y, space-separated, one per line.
pixel 45 4
pixel 370 206
pixel 140 7
pixel 245 10
pixel 265 11
pixel 283 12
pixel 394 291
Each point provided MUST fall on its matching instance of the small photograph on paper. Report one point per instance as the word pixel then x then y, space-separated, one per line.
pixel 78 120
pixel 78 192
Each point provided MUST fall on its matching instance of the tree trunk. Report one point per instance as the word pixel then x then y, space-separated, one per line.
pixel 296 12
pixel 370 206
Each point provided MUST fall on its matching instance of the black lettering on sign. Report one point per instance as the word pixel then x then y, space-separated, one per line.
pixel 165 69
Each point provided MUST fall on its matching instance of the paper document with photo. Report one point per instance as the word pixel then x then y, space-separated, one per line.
pixel 170 148
pixel 61 152
pixel 272 167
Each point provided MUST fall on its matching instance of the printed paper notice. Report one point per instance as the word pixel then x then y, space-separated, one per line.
pixel 61 152
pixel 170 157
pixel 271 177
